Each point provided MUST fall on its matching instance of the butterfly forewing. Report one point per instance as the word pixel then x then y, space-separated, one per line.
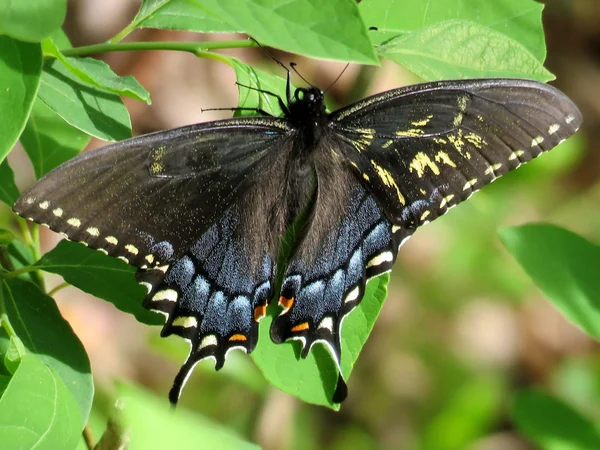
pixel 423 149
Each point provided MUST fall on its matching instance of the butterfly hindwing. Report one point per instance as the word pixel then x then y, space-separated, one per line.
pixel 423 149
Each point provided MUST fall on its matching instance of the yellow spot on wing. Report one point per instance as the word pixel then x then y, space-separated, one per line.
pixel 444 158
pixel 476 140
pixel 537 141
pixel 422 123
pixel 457 119
pixel 45 204
pixel 58 212
pixel 111 240
pixel 553 128
pixel 93 231
pixel 424 215
pixel 387 144
pixel 388 180
pixel 420 162
pixel 462 103
pixel 515 154
pixel 413 132
pixel 446 200
pixel 186 322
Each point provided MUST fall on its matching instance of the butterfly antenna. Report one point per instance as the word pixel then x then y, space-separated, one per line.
pixel 336 80
pixel 288 87
pixel 293 66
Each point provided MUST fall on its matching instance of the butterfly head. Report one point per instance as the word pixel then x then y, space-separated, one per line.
pixel 307 104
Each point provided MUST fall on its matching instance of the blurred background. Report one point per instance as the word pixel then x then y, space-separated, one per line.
pixel 463 328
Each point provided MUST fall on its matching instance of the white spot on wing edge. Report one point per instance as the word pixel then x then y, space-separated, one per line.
pixel 147 285
pixel 58 212
pixel 132 249
pixel 45 204
pixel 74 222
pixel 570 118
pixel 93 231
pixel 207 341
pixel 380 259
pixel 166 294
pixel 326 323
pixel 186 322
pixel 352 295
pixel 111 240
pixel 553 128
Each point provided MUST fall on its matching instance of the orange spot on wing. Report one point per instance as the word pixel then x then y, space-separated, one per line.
pixel 286 303
pixel 300 327
pixel 259 312
pixel 238 337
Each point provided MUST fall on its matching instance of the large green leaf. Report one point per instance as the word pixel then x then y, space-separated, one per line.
pixel 44 333
pixel 332 29
pixel 49 140
pixel 105 277
pixel 31 20
pixel 37 410
pixel 20 69
pixel 520 20
pixel 552 424
pixel 92 110
pixel 179 15
pixel 314 379
pixel 564 266
pixel 461 49
pixel 151 425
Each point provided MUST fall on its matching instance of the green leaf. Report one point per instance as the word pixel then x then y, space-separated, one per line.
pixel 103 276
pixel 49 140
pixel 38 323
pixel 152 425
pixel 257 79
pixel 31 20
pixel 564 266
pixel 552 424
pixel 20 69
pixel 461 49
pixel 314 379
pixel 179 15
pixel 520 20
pixel 93 111
pixel 9 193
pixel 330 30
pixel 37 410
pixel 99 74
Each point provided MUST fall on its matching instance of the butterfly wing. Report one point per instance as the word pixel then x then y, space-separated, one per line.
pixel 393 162
pixel 423 149
pixel 194 210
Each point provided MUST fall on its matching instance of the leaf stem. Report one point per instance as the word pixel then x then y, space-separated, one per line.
pixel 58 288
pixel 191 47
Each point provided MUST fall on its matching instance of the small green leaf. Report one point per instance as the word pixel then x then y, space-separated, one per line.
pixel 552 424
pixel 44 333
pixel 179 15
pixel 37 410
pixel 49 140
pixel 31 20
pixel 314 379
pixel 99 74
pixel 20 69
pixel 460 49
pixel 152 425
pixel 93 111
pixel 330 30
pixel 103 276
pixel 257 79
pixel 9 193
pixel 520 20
pixel 564 266
pixel 14 353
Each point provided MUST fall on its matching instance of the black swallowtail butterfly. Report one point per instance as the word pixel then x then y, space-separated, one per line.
pixel 201 210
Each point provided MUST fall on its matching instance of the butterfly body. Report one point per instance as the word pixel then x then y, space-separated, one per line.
pixel 201 210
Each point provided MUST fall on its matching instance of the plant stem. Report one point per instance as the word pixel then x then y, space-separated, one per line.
pixel 191 47
pixel 58 288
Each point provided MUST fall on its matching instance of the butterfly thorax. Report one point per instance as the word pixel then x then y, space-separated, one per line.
pixel 308 114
